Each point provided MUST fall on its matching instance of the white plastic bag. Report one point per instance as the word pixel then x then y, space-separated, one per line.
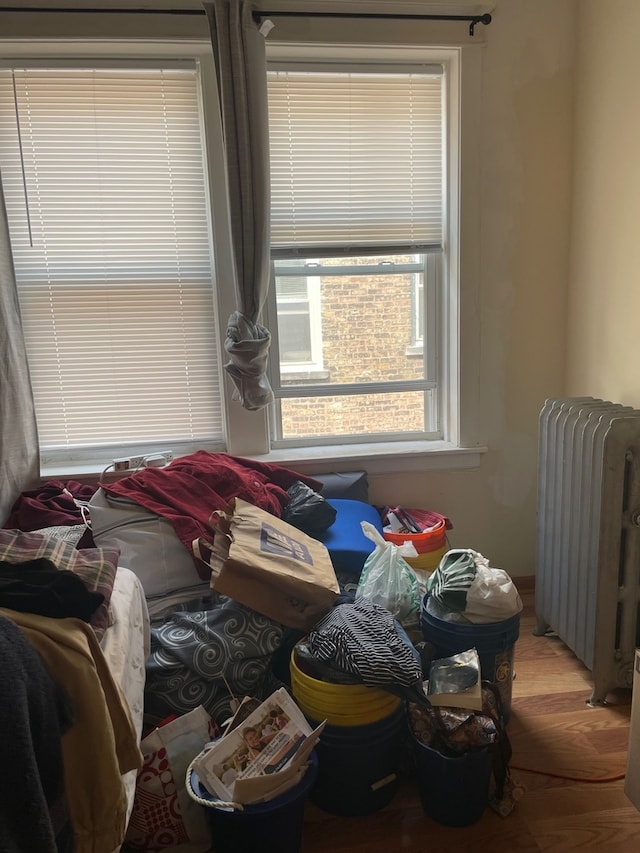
pixel 388 580
pixel 492 596
pixel 465 585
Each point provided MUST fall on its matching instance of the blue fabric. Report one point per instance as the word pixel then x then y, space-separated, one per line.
pixel 347 545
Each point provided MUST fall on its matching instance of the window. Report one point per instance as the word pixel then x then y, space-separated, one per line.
pixel 299 322
pixel 104 180
pixel 114 181
pixel 358 188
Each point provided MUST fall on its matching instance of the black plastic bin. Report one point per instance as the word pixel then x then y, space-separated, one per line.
pixel 453 790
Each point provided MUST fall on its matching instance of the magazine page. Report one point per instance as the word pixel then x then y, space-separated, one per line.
pixel 246 707
pixel 264 744
pixel 259 789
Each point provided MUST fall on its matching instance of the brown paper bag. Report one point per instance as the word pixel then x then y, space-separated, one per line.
pixel 269 565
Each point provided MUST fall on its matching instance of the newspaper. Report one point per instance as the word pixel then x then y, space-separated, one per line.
pixel 262 756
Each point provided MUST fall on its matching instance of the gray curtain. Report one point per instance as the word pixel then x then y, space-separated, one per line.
pixel 19 458
pixel 239 52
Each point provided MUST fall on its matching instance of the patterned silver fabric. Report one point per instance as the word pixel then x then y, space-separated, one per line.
pixel 198 657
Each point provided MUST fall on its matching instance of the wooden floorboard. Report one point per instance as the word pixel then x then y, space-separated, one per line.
pixel 553 730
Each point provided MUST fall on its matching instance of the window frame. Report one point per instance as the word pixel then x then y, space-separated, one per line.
pixel 457 354
pixel 310 386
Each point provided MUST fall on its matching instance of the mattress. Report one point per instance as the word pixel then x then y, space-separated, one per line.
pixel 126 647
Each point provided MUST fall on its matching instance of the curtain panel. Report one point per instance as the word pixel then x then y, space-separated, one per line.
pixel 241 71
pixel 19 457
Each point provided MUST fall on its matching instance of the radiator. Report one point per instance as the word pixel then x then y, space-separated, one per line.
pixel 588 535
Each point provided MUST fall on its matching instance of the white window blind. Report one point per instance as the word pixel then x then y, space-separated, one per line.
pixel 356 158
pixel 104 183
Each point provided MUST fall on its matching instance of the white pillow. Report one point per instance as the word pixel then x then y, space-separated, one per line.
pixel 148 546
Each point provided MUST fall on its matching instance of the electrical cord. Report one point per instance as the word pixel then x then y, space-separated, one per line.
pixel 615 778
pixel 100 478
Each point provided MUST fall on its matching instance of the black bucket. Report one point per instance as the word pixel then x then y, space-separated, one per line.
pixel 494 641
pixel 359 765
pixel 453 790
pixel 272 827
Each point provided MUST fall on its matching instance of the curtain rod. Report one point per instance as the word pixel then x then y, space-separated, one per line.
pixel 474 20
pixel 258 16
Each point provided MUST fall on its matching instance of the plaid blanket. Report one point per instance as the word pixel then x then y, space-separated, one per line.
pixel 96 567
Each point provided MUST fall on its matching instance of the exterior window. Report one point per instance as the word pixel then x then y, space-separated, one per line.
pixel 299 331
pixel 418 310
pixel 357 171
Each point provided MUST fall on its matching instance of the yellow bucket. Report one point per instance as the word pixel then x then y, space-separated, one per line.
pixel 378 700
pixel 340 704
pixel 429 561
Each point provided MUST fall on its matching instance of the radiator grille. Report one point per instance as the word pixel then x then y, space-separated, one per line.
pixel 588 534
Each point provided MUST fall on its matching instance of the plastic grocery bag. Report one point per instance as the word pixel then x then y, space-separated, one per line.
pixel 388 580
pixel 307 510
pixel 464 583
pixel 492 596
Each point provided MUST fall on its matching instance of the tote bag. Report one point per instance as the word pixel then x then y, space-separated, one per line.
pixel 164 817
pixel 269 565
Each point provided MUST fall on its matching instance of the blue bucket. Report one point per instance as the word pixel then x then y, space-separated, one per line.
pixel 272 827
pixel 359 765
pixel 454 790
pixel 495 642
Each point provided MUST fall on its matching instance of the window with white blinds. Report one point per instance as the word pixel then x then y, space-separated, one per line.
pixel 356 158
pixel 104 183
pixel 357 152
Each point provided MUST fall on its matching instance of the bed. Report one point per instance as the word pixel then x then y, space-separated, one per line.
pixel 126 647
pixel 96 676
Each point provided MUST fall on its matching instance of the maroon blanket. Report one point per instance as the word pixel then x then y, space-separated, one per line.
pixel 188 490
pixel 50 505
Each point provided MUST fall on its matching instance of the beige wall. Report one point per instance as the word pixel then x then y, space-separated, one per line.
pixel 603 331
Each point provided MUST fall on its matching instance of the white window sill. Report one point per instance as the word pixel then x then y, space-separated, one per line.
pixel 387 458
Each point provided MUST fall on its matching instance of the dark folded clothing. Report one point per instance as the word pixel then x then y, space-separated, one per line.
pixel 37 586
pixel 34 714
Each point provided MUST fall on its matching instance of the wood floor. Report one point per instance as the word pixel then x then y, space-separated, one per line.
pixel 551 726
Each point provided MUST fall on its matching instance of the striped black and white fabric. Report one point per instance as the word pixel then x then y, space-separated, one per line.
pixel 363 638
